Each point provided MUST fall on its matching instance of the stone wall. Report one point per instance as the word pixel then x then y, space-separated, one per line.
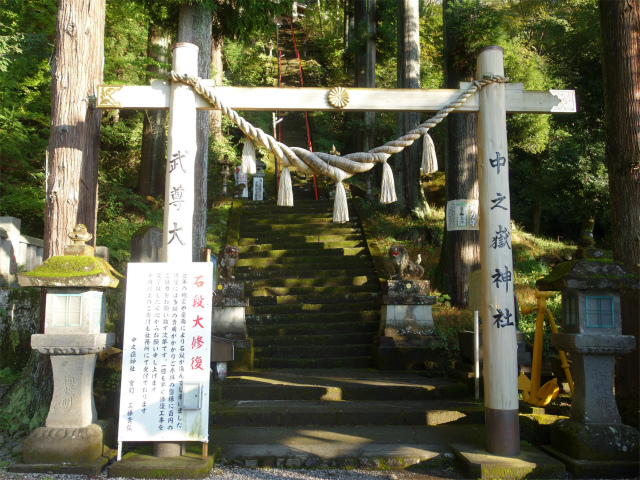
pixel 18 320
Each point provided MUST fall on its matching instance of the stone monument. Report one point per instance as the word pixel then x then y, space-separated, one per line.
pixel 72 440
pixel 229 327
pixel 406 322
pixel 593 442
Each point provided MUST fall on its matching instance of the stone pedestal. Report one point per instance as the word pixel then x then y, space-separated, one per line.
pixel 592 442
pixel 228 322
pixel 406 326
pixel 72 440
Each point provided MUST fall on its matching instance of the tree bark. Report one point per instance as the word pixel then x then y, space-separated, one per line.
pixel 215 116
pixel 460 252
pixel 153 153
pixel 620 33
pixel 74 141
pixel 410 194
pixel 195 27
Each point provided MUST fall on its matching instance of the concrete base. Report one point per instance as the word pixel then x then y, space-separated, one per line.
pixel 596 468
pixel 137 465
pixel 405 353
pixel 530 463
pixel 90 469
pixel 599 442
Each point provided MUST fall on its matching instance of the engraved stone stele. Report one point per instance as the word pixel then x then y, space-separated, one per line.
pixel 593 437
pixel 72 440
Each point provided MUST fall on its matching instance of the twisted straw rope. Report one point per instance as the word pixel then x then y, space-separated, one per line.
pixel 336 167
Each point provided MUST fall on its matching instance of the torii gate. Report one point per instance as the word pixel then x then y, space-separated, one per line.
pixel 492 103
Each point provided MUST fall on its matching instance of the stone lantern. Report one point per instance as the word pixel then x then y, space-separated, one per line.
pixel 225 169
pixel 593 442
pixel 74 332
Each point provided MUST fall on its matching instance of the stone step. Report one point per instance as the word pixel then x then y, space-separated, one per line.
pixel 313 308
pixel 311 328
pixel 267 291
pixel 291 218
pixel 313 363
pixel 319 282
pixel 337 385
pixel 313 351
pixel 318 299
pixel 288 413
pixel 313 318
pixel 310 263
pixel 346 447
pixel 307 253
pixel 300 246
pixel 301 241
pixel 313 340
pixel 317 271
pixel 268 232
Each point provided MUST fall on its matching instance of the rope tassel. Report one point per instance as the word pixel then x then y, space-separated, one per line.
pixel 248 157
pixel 285 191
pixel 340 207
pixel 429 160
pixel 388 188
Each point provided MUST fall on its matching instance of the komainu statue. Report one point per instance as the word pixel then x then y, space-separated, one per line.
pixel 405 268
pixel 226 261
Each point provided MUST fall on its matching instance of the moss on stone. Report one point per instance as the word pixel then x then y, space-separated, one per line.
pixel 73 266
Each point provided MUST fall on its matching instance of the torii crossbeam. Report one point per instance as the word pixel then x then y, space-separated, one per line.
pixel 491 102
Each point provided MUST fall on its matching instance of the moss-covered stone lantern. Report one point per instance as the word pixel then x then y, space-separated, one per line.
pixel 74 332
pixel 593 440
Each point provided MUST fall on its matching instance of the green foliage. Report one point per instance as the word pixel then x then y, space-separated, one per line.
pixel 8 376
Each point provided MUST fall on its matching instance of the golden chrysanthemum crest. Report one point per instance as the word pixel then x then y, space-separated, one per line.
pixel 338 97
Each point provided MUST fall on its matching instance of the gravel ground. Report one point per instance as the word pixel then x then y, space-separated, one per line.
pixel 233 473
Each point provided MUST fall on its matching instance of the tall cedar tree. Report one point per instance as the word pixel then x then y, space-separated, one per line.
pixel 407 164
pixel 460 253
pixel 620 26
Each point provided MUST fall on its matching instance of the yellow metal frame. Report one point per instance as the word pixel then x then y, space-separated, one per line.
pixel 532 392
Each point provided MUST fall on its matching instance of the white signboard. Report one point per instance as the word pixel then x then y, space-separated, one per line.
pixel 462 215
pixel 258 188
pixel 167 347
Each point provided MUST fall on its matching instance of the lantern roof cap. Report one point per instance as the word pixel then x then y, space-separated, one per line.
pixel 585 274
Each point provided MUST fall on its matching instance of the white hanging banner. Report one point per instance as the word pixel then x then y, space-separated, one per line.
pixel 462 215
pixel 167 351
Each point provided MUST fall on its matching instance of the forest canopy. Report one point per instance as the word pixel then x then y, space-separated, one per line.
pixel 558 174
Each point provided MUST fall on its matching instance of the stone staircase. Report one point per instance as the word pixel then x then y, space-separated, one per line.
pixel 314 296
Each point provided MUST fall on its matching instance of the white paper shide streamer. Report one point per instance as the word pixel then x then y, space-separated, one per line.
pixel 248 157
pixel 285 190
pixel 388 187
pixel 340 207
pixel 429 160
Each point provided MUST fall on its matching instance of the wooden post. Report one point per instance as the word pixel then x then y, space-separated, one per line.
pixel 499 330
pixel 179 190
pixel 181 154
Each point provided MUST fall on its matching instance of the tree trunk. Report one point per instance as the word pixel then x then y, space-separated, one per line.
pixel 215 116
pixel 154 138
pixel 74 141
pixel 620 33
pixel 413 199
pixel 460 252
pixel 195 27
pixel 370 117
pixel 71 172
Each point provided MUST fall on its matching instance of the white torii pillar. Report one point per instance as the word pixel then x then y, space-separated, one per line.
pixel 492 103
pixel 500 363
